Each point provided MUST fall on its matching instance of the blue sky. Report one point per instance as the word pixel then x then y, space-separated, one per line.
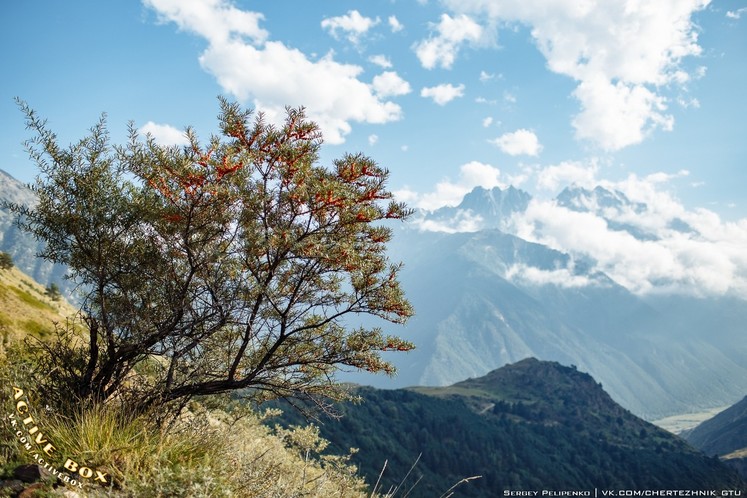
pixel 644 97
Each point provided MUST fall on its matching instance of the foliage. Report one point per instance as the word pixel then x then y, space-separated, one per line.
pixel 6 261
pixel 236 265
pixel 53 292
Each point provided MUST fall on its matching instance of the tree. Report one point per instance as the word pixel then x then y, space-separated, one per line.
pixel 6 261
pixel 53 292
pixel 238 265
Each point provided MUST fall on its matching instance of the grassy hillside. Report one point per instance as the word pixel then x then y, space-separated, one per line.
pixel 26 310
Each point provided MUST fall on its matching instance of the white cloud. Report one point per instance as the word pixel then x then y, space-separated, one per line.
pixel 487 122
pixel 443 94
pixel 462 221
pixel 553 178
pixel 389 83
pixel 450 193
pixel 451 33
pixel 519 142
pixel 736 14
pixel 705 261
pixel 646 241
pixel 372 139
pixel 394 24
pixel 706 257
pixel 274 75
pixel 381 61
pixel 622 53
pixel 561 277
pixel 618 115
pixel 486 76
pixel 164 134
pixel 353 25
pixel 215 20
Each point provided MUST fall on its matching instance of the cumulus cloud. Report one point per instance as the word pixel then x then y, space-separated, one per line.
pixel 450 193
pixel 450 34
pixel 372 139
pixel 617 115
pixel 702 261
pixel 553 178
pixel 272 75
pixel 394 24
pixel 389 84
pixel 736 14
pixel 164 134
pixel 353 25
pixel 519 142
pixel 648 242
pixel 381 61
pixel 443 94
pixel 487 121
pixel 634 230
pixel 215 20
pixel 623 55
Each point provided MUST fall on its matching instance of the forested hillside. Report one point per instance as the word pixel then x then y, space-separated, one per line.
pixel 529 425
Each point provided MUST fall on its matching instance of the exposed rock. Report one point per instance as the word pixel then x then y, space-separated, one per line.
pixel 11 487
pixel 31 473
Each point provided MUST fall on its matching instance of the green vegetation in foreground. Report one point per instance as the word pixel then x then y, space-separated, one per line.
pixel 530 425
pixel 214 269
pixel 222 451
pixel 206 453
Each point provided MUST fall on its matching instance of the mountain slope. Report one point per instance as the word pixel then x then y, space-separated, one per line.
pixel 20 245
pixel 528 425
pixel 25 309
pixel 723 434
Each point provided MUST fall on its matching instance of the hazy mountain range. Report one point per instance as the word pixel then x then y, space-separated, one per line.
pixel 485 297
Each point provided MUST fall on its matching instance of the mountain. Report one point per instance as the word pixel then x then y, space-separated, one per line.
pixel 485 298
pixel 20 245
pixel 484 208
pixel 528 425
pixel 725 436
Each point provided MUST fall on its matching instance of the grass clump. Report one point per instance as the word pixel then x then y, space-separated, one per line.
pixel 204 454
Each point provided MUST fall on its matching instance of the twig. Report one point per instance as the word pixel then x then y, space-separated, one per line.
pixel 449 493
